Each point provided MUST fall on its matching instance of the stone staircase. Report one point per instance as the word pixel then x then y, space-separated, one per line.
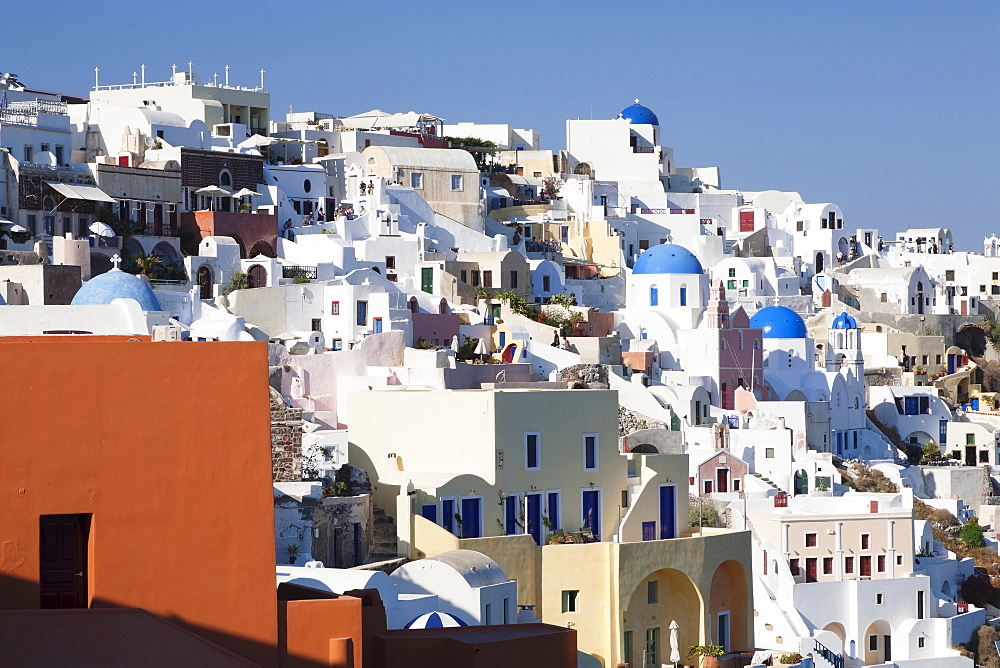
pixel 769 482
pixel 383 542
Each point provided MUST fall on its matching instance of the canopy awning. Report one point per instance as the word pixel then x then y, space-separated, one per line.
pixel 76 191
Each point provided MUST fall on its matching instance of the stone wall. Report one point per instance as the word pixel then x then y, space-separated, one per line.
pixel 286 440
pixel 338 518
pixel 630 421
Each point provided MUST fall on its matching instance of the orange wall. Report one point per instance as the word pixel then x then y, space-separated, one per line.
pixel 321 632
pixel 168 445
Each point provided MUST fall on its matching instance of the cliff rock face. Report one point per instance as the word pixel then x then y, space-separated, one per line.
pixel 586 377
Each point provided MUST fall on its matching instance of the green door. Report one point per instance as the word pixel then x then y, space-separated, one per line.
pixel 427 279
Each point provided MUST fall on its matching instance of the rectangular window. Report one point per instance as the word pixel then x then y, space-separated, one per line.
pixel 513 279
pixel 362 313
pixel 317 325
pixel 949 274
pixel 506 607
pixel 416 180
pixel 651 592
pixel 872 643
pixel 810 540
pixel 488 615
pixel 827 565
pixel 984 457
pixel 865 541
pixel 920 604
pixel 570 600
pixel 487 279
pixel 849 565
pixel 590 452
pixel 29 153
pixel 338 344
pixel 866 566
pixel 995 289
pixel 552 509
pixel 45 148
pixel 464 276
pixel 732 272
pixel 627 647
pixel 456 181
pixel 390 261
pixel 885 297
pixel 881 563
pixel 793 566
pixel 60 155
pixel 475 277
pixel 769 453
pixel 879 599
pixel 731 285
pixel 334 308
pixel 546 283
pixel 970 439
pixel 532 451
pixel 920 641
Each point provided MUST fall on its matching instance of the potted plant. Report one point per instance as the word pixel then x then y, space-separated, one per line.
pixel 293 553
pixel 709 654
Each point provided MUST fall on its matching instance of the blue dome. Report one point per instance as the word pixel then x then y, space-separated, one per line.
pixel 639 115
pixel 778 322
pixel 115 284
pixel 667 259
pixel 844 321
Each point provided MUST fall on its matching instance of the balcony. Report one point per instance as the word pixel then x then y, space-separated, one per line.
pixel 296 271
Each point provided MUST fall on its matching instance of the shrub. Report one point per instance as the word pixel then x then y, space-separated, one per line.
pixel 972 534
pixel 239 281
pixel 789 659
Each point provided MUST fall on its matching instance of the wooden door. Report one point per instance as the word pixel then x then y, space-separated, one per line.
pixel 63 560
pixel 257 276
pixel 746 221
pixel 722 479
pixel 811 569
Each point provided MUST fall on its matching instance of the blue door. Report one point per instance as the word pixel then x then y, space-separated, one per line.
pixel 448 514
pixel 429 511
pixel 510 515
pixel 840 442
pixel 649 530
pixel 943 431
pixel 592 511
pixel 503 340
pixel 472 512
pixel 378 325
pixel 554 510
pixel 534 517
pixel 668 516
pixel 951 364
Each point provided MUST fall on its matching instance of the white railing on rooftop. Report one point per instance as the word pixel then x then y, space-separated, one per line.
pixel 38 106
pixel 164 84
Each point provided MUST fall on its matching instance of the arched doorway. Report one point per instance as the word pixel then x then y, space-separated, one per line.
pixel 168 255
pixel 243 247
pixel 820 260
pixel 257 276
pixel 262 248
pixel 662 597
pixel 584 169
pixel 801 484
pixel 877 643
pixel 838 630
pixel 727 607
pixel 205 282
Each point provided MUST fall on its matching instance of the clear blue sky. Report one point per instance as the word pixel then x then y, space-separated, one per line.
pixel 887 108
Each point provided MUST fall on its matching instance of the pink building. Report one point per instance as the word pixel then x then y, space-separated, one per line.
pixel 740 351
pixel 721 473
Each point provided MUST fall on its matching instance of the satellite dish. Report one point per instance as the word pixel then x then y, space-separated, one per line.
pixel 149 142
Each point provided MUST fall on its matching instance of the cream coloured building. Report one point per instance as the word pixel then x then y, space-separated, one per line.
pixel 447 179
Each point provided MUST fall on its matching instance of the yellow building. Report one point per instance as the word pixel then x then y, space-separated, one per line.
pixel 510 473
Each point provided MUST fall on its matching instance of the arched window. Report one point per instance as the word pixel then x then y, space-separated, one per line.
pixel 225 179
pixel 654 296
